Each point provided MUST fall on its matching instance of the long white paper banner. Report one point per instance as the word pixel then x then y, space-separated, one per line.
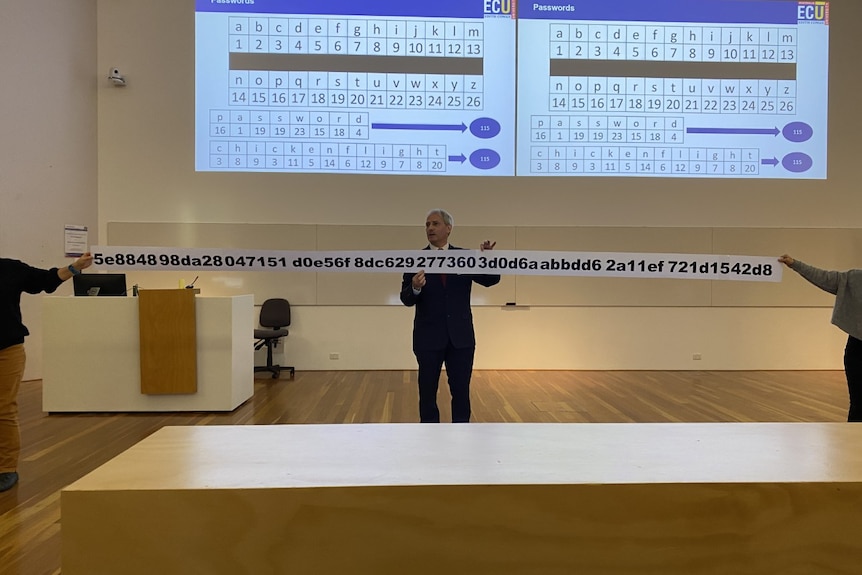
pixel 511 262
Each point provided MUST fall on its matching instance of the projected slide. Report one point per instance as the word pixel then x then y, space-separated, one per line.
pixel 355 86
pixel 633 88
pixel 672 88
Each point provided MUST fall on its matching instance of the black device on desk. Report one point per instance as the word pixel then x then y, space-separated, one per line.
pixel 100 284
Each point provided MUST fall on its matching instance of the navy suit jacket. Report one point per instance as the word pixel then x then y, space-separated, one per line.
pixel 443 312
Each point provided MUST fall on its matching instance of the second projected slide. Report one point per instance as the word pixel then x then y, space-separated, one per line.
pixel 673 88
pixel 361 86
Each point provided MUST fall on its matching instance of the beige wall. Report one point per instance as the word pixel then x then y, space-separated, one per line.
pixel 145 175
pixel 558 322
pixel 48 143
pixel 146 164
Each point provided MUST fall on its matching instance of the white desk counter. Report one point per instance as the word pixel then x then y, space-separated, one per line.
pixel 91 348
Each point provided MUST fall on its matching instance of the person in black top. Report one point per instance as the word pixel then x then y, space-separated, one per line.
pixel 16 278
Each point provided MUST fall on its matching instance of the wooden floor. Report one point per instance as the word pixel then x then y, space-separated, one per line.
pixel 59 449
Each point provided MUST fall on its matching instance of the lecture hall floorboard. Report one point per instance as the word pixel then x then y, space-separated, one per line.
pixel 58 449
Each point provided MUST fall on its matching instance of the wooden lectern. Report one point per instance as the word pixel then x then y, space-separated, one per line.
pixel 168 341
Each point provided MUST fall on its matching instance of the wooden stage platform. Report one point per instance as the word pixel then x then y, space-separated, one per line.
pixel 537 499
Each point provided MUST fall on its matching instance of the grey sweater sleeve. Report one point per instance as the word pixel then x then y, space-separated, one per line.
pixel 825 280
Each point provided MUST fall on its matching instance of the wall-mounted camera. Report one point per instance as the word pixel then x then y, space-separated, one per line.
pixel 116 78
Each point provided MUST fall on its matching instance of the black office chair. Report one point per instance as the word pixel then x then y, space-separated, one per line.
pixel 274 319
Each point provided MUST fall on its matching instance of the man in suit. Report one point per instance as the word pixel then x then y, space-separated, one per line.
pixel 443 324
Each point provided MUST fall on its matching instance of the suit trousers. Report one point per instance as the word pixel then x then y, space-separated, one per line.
pixel 853 371
pixel 459 369
pixel 12 360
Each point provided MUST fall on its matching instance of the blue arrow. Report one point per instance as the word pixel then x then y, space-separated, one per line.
pixel 746 131
pixel 769 161
pixel 446 127
pixel 460 158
